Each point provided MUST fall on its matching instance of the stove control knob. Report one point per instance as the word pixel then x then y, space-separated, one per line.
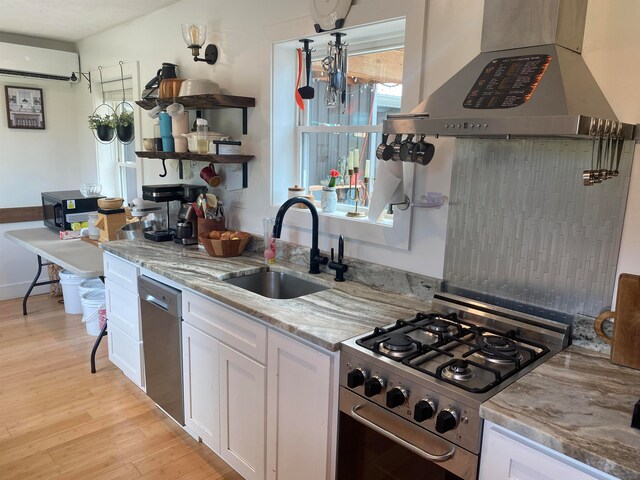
pixel 424 410
pixel 446 420
pixel 373 386
pixel 355 378
pixel 396 397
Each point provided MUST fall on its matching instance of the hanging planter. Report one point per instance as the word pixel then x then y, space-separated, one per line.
pixel 124 127
pixel 124 116
pixel 103 119
pixel 103 125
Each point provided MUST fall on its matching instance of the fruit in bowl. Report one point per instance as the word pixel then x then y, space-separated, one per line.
pixel 225 243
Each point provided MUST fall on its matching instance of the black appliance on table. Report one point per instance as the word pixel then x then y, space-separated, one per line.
pixel 61 209
pixel 410 392
pixel 169 193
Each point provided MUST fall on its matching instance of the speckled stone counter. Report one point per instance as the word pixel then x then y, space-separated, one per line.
pixel 325 318
pixel 577 403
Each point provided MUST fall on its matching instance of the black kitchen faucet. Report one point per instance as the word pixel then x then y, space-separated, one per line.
pixel 315 259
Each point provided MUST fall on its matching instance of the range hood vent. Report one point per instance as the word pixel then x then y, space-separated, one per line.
pixel 529 80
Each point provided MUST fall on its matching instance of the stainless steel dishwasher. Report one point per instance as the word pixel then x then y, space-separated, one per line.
pixel 161 317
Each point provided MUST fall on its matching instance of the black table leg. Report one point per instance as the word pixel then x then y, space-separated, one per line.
pixel 35 283
pixel 102 333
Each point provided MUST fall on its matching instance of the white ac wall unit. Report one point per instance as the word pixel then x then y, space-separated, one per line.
pixel 26 61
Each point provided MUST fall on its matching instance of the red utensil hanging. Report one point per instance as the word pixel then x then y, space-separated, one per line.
pixel 299 100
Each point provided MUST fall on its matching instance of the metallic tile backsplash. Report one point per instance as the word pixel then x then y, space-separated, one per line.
pixel 522 228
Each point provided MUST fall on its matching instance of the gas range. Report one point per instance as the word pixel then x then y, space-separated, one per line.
pixel 435 369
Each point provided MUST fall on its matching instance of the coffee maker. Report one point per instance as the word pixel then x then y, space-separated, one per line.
pixel 187 225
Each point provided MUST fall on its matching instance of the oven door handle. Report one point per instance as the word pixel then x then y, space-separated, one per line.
pixel 409 446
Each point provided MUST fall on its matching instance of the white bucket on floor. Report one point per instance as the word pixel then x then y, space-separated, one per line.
pixel 92 304
pixel 90 284
pixel 70 293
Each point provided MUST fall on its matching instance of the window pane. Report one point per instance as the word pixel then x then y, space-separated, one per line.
pixel 374 89
pixel 331 136
pixel 325 151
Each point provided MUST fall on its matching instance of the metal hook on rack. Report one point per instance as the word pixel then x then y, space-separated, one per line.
pixel 101 82
pixel 122 79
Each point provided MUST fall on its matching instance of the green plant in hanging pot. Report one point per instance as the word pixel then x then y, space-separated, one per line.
pixel 124 126
pixel 104 126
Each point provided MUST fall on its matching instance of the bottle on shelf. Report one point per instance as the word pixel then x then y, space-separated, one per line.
pixel 202 137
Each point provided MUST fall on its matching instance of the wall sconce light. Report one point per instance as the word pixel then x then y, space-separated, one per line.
pixel 194 36
pixel 86 76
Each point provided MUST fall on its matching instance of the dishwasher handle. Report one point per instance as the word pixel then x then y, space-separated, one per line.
pixel 156 302
pixel 160 295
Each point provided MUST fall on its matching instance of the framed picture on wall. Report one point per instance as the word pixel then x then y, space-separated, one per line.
pixel 25 107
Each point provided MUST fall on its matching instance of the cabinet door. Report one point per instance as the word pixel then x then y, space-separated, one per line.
pixel 299 411
pixel 509 456
pixel 123 309
pixel 126 353
pixel 242 413
pixel 201 385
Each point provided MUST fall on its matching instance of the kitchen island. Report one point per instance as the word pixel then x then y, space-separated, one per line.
pixel 577 403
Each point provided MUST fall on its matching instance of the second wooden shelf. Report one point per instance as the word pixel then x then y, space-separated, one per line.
pixel 198 157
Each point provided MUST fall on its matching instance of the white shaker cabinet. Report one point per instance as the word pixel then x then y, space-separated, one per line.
pixel 242 413
pixel 201 377
pixel 301 410
pixel 224 382
pixel 507 455
pixel 123 316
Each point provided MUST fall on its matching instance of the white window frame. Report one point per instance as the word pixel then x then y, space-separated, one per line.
pixel 284 145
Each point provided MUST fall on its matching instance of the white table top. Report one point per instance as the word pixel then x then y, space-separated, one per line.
pixel 77 256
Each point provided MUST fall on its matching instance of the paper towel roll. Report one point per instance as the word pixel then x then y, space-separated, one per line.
pixel 388 187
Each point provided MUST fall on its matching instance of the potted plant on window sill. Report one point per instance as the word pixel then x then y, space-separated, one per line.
pixel 124 127
pixel 329 197
pixel 103 125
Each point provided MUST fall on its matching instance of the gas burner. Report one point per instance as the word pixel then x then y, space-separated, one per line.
pixel 438 325
pixel 397 345
pixel 458 370
pixel 498 349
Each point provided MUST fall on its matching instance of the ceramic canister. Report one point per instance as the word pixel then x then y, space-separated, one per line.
pixel 180 125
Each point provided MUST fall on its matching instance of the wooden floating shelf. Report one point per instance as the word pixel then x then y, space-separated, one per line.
pixel 201 102
pixel 198 157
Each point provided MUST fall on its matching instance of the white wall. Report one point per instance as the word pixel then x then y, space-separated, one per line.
pixel 240 29
pixel 33 161
pixel 452 39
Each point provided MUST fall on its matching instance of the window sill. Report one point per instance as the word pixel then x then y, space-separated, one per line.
pixel 387 232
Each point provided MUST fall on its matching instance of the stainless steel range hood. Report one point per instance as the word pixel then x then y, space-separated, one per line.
pixel 529 80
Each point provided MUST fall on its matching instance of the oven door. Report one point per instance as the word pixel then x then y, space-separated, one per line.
pixel 375 444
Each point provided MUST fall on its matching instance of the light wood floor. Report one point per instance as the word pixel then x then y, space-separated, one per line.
pixel 57 421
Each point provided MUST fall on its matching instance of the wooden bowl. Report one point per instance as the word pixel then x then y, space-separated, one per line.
pixel 231 247
pixel 110 203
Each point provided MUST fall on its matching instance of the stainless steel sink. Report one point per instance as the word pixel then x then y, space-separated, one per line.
pixel 279 285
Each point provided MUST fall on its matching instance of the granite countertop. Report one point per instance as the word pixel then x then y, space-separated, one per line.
pixel 577 403
pixel 325 318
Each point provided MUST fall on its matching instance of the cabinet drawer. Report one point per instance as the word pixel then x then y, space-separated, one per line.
pixel 121 272
pixel 231 328
pixel 126 353
pixel 123 309
pixel 509 456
